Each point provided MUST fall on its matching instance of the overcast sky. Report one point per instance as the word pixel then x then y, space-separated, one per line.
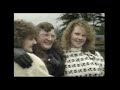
pixel 36 18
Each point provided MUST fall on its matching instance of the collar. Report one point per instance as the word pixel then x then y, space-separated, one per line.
pixel 75 49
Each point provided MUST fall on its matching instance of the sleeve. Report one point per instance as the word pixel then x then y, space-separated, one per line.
pixel 38 67
pixel 98 54
pixel 102 63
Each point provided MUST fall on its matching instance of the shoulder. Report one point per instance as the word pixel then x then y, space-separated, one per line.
pixel 94 52
pixel 32 55
pixel 36 59
pixel 97 53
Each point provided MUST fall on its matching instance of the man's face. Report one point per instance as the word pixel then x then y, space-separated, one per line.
pixel 46 39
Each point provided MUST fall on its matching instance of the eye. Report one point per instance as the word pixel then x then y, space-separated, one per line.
pixel 46 35
pixel 84 35
pixel 77 33
pixel 53 36
pixel 31 38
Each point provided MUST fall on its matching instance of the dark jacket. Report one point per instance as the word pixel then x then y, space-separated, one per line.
pixel 55 63
pixel 53 60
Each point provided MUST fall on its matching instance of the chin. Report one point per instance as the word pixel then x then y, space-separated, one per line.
pixel 28 50
pixel 78 46
pixel 47 47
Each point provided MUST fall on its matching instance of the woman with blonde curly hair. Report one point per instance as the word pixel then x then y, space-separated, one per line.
pixel 78 43
pixel 24 38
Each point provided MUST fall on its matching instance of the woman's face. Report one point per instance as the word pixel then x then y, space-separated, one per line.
pixel 28 43
pixel 78 37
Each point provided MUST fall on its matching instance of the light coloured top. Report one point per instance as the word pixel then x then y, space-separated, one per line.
pixel 79 64
pixel 38 68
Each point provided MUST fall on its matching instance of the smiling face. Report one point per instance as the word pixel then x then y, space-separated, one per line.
pixel 46 39
pixel 28 43
pixel 78 37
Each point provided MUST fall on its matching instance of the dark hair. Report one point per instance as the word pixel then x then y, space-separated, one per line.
pixel 22 30
pixel 45 26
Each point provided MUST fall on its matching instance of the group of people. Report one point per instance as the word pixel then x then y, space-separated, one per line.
pixel 38 53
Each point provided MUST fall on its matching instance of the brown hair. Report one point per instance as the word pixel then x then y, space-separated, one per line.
pixel 22 30
pixel 45 26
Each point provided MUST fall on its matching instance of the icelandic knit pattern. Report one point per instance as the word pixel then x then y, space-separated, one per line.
pixel 79 64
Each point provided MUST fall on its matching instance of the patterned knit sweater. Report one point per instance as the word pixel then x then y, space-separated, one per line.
pixel 79 64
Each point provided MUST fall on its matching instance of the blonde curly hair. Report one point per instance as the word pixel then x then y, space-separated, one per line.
pixel 90 41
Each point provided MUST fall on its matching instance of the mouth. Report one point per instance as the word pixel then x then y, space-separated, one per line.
pixel 48 43
pixel 79 42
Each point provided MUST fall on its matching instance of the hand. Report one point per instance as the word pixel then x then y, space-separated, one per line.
pixel 22 58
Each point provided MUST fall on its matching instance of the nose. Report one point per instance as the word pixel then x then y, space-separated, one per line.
pixel 50 38
pixel 80 37
pixel 34 41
